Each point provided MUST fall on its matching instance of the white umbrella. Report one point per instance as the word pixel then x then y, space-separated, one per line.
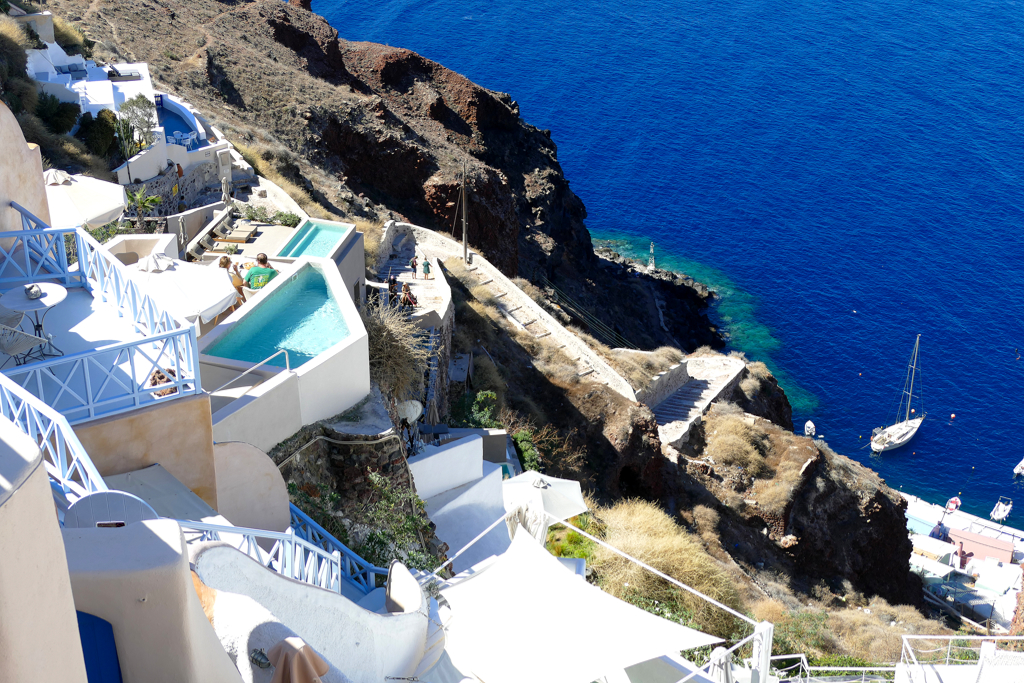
pixel 187 290
pixel 561 498
pixel 77 200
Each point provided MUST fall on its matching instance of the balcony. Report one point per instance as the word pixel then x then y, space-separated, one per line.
pixel 114 337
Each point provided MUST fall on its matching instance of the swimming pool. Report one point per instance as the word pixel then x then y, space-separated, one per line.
pixel 173 123
pixel 301 316
pixel 315 238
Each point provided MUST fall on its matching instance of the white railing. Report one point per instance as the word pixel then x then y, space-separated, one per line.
pixel 289 555
pixel 64 457
pixel 110 379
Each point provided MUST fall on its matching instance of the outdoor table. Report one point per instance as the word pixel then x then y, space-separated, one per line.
pixel 53 294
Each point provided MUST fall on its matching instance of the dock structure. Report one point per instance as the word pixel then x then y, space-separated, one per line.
pixel 922 516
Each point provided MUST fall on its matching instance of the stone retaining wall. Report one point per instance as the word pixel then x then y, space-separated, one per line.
pixel 664 385
pixel 574 346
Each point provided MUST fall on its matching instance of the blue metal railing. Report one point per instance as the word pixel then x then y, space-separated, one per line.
pixel 354 568
pixel 114 378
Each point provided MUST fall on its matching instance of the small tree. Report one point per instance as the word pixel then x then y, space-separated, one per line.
pixel 142 203
pixel 141 113
pixel 126 144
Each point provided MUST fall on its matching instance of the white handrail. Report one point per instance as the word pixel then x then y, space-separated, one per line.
pixel 287 366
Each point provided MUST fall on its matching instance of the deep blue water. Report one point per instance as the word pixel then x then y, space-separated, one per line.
pixel 846 174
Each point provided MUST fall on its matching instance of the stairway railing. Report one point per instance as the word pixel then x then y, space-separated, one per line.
pixel 354 568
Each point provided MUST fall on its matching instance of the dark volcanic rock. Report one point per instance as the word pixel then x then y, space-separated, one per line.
pixel 396 130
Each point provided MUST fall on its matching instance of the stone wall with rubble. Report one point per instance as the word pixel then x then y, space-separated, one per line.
pixel 344 468
pixel 174 191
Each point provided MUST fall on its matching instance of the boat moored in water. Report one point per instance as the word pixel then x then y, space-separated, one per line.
pixel 903 430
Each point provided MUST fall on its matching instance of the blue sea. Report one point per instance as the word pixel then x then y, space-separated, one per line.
pixel 846 175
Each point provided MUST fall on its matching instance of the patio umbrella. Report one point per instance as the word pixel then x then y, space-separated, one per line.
pixel 77 200
pixel 561 498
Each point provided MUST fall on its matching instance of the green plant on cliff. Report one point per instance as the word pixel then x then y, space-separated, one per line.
pixel 398 526
pixel 320 507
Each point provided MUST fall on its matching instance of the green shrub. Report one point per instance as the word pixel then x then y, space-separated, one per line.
pixel 286 218
pixel 528 455
pixel 476 410
pixel 397 522
pixel 59 117
pixel 22 95
pixel 256 213
pixel 320 508
pixel 98 133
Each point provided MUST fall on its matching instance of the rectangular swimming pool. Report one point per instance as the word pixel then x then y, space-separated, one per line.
pixel 301 316
pixel 314 238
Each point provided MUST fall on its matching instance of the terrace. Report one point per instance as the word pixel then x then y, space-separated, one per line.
pixel 109 336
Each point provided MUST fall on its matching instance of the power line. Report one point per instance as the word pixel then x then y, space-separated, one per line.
pixel 596 325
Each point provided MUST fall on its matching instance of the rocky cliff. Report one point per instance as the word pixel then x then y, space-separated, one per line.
pixel 382 132
pixel 791 505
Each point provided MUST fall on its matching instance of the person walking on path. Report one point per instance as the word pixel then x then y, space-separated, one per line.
pixel 412 264
pixel 426 270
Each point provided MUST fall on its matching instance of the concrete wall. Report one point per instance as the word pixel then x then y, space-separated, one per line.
pixel 495 441
pixel 462 519
pixel 441 468
pixel 137 578
pixel 41 23
pixel 664 385
pixel 250 489
pixel 265 416
pixel 37 611
pixel 143 245
pixel 177 434
pixel 21 174
pixel 351 263
pixel 366 646
pixel 187 224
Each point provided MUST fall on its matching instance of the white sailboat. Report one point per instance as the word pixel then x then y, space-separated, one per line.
pixel 903 430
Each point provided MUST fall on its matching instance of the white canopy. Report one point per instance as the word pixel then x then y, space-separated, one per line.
pixel 568 631
pixel 77 200
pixel 187 290
pixel 561 498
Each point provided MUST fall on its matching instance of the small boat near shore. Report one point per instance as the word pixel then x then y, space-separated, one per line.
pixel 1002 510
pixel 902 430
pixel 1018 471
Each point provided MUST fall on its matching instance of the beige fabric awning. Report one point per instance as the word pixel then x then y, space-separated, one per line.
pixel 567 631
pixel 77 200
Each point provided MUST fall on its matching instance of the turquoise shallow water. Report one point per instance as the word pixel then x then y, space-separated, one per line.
pixel 301 317
pixel 846 175
pixel 313 239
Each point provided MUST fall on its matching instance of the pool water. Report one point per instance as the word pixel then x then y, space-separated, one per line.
pixel 314 238
pixel 301 316
pixel 172 123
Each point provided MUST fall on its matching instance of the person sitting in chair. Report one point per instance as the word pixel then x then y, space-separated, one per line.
pixel 259 276
pixel 407 298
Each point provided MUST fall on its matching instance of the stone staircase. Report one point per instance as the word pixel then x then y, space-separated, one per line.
pixel 710 378
pixel 425 291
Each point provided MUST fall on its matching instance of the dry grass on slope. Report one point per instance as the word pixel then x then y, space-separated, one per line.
pixel 636 367
pixel 646 532
pixel 871 630
pixel 733 440
pixel 263 160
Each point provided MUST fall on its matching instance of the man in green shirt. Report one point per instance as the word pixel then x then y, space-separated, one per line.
pixel 261 274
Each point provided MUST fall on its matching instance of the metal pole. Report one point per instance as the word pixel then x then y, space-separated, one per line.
pixel 465 245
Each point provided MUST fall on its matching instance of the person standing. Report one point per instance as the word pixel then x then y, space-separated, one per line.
pixel 426 270
pixel 413 264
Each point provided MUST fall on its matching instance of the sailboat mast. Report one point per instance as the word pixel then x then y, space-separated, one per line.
pixel 465 246
pixel 913 372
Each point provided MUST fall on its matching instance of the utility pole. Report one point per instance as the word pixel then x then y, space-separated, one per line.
pixel 465 245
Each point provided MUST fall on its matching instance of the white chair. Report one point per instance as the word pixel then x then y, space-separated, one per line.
pixel 192 139
pixel 18 344
pixel 9 318
pixel 249 293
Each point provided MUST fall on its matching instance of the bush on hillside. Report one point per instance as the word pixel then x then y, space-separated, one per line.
pixel 286 218
pixel 397 358
pixel 732 441
pixel 21 95
pixel 69 37
pixel 13 43
pixel 59 117
pixel 98 133
pixel 645 531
